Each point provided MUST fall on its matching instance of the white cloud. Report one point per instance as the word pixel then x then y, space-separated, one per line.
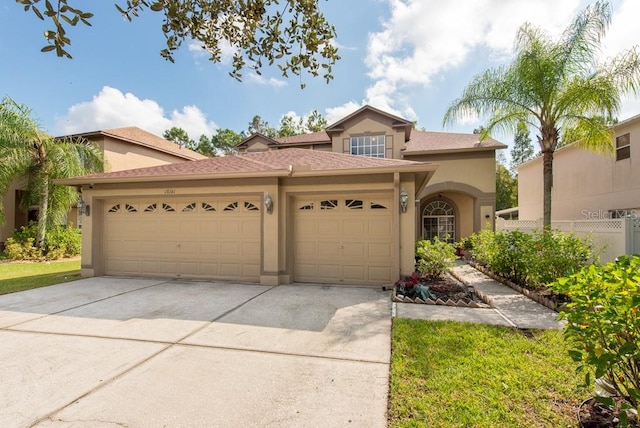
pixel 113 109
pixel 257 79
pixel 226 51
pixel 334 114
pixel 417 44
pixel 624 31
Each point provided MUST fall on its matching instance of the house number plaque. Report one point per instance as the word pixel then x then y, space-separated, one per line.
pixel 170 191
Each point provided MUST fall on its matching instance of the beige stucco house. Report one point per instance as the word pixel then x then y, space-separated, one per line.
pixel 587 185
pixel 123 148
pixel 342 206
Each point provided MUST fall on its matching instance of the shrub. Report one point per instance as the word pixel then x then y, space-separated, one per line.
pixel 60 242
pixel 63 242
pixel 604 322
pixel 483 246
pixel 513 256
pixel 16 250
pixel 434 257
pixel 532 260
pixel 559 254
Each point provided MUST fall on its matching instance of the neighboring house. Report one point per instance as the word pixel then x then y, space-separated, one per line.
pixel 587 185
pixel 342 206
pixel 123 148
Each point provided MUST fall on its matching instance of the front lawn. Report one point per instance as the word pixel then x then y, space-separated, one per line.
pixel 450 374
pixel 19 276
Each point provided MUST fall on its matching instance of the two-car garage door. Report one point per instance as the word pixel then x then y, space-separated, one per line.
pixel 177 237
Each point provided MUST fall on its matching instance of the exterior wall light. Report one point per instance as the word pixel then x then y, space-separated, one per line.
pixel 404 200
pixel 268 203
pixel 83 208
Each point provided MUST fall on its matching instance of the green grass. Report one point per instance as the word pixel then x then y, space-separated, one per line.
pixel 24 276
pixel 449 374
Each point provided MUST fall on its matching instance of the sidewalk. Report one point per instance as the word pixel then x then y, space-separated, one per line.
pixel 509 308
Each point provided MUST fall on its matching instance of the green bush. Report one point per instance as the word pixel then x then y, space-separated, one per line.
pixel 604 322
pixel 559 254
pixel 60 242
pixel 483 246
pixel 532 260
pixel 513 257
pixel 434 257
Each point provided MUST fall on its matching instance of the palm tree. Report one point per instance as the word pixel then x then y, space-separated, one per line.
pixel 557 87
pixel 30 155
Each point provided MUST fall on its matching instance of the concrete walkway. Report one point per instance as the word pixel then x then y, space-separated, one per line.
pixel 509 308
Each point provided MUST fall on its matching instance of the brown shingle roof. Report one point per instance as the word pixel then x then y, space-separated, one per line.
pixel 314 137
pixel 432 142
pixel 135 135
pixel 419 143
pixel 320 160
pixel 271 163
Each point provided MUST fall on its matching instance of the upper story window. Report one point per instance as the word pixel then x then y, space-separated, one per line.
pixel 368 145
pixel 623 147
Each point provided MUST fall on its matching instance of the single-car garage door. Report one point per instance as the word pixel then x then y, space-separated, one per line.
pixel 177 237
pixel 343 239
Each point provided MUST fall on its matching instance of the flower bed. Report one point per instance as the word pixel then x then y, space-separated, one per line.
pixel 444 290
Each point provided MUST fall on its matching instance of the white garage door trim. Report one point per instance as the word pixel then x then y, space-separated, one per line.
pixel 196 237
pixel 343 239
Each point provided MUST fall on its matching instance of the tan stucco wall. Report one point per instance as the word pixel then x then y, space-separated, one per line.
pixel 9 206
pixel 369 123
pixel 476 169
pixel 468 181
pixel 257 144
pixel 587 185
pixel 120 155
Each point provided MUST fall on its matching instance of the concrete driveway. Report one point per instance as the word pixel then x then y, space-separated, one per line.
pixel 151 352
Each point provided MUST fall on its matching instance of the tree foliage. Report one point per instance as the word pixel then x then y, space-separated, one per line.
pixel 522 149
pixel 29 154
pixel 260 126
pixel 223 142
pixel 506 188
pixel 316 122
pixel 292 34
pixel 180 137
pixel 289 126
pixel 555 85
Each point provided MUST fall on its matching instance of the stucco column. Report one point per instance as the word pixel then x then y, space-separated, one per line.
pixel 407 226
pixel 92 224
pixel 269 273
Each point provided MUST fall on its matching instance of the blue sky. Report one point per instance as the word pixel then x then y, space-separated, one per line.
pixel 409 57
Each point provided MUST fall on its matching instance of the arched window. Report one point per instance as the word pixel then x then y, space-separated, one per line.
pixel 438 219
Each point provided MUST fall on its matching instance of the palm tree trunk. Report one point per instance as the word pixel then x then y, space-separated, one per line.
pixel 43 214
pixel 547 185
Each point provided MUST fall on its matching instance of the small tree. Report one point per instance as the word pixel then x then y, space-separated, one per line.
pixel 29 154
pixel 555 85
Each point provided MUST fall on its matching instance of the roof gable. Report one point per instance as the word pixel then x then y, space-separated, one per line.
pixel 140 137
pixel 396 121
pixel 257 137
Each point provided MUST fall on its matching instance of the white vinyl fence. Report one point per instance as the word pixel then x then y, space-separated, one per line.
pixel 614 236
